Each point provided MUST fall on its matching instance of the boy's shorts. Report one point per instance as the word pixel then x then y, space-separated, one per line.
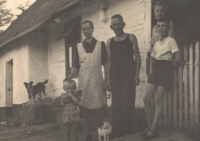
pixel 162 73
pixel 88 113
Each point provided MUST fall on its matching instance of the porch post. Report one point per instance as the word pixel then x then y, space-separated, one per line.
pixel 66 59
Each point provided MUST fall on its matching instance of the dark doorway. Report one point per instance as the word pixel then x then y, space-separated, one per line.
pixel 185 15
pixel 9 89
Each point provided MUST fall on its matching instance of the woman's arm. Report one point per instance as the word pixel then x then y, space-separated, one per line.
pixel 73 73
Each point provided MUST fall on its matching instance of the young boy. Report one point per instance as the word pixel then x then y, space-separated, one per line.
pixel 164 57
pixel 70 102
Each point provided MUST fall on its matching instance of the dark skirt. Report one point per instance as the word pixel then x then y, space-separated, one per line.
pixel 162 73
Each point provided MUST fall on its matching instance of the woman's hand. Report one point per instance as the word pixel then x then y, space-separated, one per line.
pixel 137 79
pixel 152 59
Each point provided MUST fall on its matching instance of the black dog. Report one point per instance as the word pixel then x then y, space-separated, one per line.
pixel 34 90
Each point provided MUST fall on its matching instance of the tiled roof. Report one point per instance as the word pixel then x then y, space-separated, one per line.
pixel 33 17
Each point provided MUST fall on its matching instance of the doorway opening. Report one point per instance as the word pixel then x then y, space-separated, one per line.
pixel 9 89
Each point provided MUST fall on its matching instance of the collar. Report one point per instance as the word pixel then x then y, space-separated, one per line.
pixel 85 42
pixel 164 39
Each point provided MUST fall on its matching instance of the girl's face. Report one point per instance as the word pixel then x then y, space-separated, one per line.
pixel 69 87
pixel 162 28
pixel 160 12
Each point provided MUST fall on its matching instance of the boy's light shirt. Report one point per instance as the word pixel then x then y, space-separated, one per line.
pixel 163 50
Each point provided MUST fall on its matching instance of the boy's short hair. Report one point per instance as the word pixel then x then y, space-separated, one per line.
pixel 161 3
pixel 69 81
pixel 164 20
pixel 117 16
pixel 90 22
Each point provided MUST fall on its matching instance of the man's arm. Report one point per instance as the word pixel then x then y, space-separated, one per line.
pixel 107 66
pixel 133 39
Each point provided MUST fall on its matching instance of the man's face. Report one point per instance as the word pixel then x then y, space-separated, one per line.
pixel 87 30
pixel 160 12
pixel 162 28
pixel 117 25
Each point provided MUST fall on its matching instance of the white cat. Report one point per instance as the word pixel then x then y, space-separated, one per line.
pixel 105 131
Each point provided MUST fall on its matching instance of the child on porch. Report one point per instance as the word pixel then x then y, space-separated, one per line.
pixel 164 57
pixel 70 101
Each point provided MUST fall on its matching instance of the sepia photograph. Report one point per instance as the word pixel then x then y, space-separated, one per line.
pixel 99 70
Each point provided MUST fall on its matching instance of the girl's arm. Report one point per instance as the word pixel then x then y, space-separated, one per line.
pixel 74 98
pixel 172 29
pixel 177 59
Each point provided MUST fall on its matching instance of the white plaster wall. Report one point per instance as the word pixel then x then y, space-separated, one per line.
pixel 38 59
pixel 133 12
pixel 56 61
pixel 18 51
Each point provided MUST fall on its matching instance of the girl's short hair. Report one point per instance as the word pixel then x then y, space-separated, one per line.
pixel 164 20
pixel 161 3
pixel 70 82
pixel 87 21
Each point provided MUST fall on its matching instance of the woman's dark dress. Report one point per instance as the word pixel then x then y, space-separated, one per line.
pixel 122 86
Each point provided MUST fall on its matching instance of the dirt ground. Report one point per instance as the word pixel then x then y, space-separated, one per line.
pixel 52 132
pixel 46 133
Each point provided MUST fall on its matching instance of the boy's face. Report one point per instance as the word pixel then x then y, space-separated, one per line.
pixel 162 28
pixel 160 12
pixel 87 30
pixel 69 87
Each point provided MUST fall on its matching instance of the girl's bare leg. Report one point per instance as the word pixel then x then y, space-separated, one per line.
pixel 150 89
pixel 159 104
pixel 68 131
pixel 74 135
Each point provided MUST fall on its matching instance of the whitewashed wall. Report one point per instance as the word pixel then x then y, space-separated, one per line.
pixel 134 13
pixel 38 59
pixel 19 53
pixel 30 63
pixel 56 61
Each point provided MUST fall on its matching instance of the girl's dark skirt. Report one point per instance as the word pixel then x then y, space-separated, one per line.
pixel 162 73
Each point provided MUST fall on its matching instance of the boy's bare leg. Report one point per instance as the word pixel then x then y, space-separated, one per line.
pixel 159 104
pixel 150 89
pixel 68 131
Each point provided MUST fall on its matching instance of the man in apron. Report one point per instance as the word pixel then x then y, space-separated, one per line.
pixel 89 58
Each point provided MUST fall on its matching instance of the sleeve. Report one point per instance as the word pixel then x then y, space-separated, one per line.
pixel 78 94
pixel 173 46
pixel 104 54
pixel 76 59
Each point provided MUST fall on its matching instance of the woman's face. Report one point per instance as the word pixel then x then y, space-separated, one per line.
pixel 160 12
pixel 87 30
